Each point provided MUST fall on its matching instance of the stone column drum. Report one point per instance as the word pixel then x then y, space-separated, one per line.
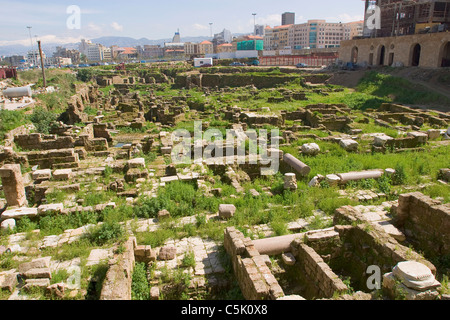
pixel 13 185
pixel 296 164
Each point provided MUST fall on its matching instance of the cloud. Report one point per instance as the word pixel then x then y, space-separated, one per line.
pixel 271 20
pixel 117 26
pixel 344 18
pixel 198 26
pixel 94 27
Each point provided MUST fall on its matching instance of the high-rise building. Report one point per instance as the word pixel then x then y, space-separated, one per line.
pixel 177 37
pixel 222 37
pixel 74 55
pixel 260 30
pixel 287 18
pixel 34 57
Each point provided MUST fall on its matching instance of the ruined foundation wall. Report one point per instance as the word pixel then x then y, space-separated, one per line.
pixel 322 281
pixel 117 283
pixel 363 246
pixel 426 222
pixel 254 276
pixel 36 141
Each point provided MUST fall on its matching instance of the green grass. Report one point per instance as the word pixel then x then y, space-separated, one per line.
pixel 398 90
pixel 140 289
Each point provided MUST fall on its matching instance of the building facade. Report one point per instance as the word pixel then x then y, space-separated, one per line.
pixel 321 34
pixel 399 17
pixel 423 50
pixel 287 18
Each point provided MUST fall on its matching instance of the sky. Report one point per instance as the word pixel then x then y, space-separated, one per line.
pixel 156 19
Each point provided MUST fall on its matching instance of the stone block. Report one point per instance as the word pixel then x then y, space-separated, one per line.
pixel 288 258
pixel 226 211
pixel 311 149
pixel 63 174
pixel 167 253
pixel 50 208
pixel 37 273
pixel 19 213
pixel 8 224
pixel 136 163
pixel 44 174
pixel 36 283
pixel 349 145
pixel 34 264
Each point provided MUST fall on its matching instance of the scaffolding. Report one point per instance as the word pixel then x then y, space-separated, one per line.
pixel 403 17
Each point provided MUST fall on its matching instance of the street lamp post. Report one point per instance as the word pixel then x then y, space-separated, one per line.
pixel 254 23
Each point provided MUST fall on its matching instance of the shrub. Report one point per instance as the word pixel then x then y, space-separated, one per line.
pixel 108 232
pixel 43 120
pixel 399 177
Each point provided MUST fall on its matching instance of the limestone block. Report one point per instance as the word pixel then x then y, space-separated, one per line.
pixel 63 174
pixel 288 258
pixel 19 213
pixel 44 174
pixel 333 179
pixel 8 281
pixel 50 208
pixel 8 224
pixel 226 211
pixel 349 144
pixel 37 273
pixel 35 264
pixel 13 186
pixel 167 253
pixel 381 140
pixel 433 134
pixel 136 163
pixel 166 150
pixel 40 283
pixel 310 149
pixel 421 137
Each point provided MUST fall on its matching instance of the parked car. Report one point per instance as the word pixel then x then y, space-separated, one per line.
pixel 301 65
pixel 253 63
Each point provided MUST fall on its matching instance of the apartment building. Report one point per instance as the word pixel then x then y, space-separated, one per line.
pixel 205 47
pixel 314 34
pixel 277 38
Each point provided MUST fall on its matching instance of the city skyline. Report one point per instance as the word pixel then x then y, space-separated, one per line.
pixel 154 20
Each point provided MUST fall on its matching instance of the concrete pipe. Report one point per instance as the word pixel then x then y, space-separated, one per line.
pixel 351 176
pixel 17 92
pixel 296 164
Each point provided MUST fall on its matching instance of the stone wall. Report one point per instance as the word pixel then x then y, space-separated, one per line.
pixel 37 141
pixel 54 159
pixel 117 283
pixel 426 222
pixel 364 245
pixel 320 280
pixel 397 50
pixel 254 276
